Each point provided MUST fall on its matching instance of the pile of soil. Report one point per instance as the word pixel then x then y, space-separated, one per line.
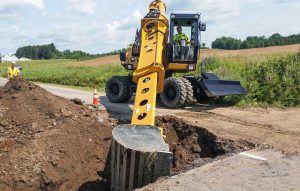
pixel 50 143
pixel 195 146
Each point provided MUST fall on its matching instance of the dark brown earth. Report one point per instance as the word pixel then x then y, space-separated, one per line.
pixel 49 143
pixel 195 146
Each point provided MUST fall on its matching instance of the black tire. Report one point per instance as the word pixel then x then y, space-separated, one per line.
pixel 174 93
pixel 118 89
pixel 189 92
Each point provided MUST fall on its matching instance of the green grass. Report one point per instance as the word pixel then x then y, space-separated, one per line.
pixel 272 80
pixel 62 72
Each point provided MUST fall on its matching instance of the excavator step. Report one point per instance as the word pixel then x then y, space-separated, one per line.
pixel 139 156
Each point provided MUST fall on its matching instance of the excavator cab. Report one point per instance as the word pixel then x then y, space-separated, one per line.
pixel 185 51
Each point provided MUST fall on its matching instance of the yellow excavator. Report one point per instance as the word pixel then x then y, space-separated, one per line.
pixel 169 58
pixel 139 154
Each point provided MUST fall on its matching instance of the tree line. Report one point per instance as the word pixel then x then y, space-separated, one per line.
pixel 230 43
pixel 49 51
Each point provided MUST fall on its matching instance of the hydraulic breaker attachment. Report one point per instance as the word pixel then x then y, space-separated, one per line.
pixel 139 156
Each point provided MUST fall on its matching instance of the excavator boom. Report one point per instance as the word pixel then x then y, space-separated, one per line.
pixel 139 153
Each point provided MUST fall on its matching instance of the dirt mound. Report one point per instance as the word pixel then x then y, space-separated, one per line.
pixel 18 85
pixel 49 143
pixel 195 146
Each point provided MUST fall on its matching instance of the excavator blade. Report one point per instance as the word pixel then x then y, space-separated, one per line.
pixel 139 156
pixel 221 88
pixel 212 86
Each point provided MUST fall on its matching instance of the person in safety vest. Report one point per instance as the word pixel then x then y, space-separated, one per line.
pixel 12 71
pixel 180 36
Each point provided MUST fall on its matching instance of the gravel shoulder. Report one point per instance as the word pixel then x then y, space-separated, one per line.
pixel 277 172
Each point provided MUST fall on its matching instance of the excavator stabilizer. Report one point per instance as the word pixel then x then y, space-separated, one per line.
pixel 139 156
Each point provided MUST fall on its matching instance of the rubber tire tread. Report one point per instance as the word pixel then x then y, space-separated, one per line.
pixel 189 92
pixel 125 93
pixel 181 93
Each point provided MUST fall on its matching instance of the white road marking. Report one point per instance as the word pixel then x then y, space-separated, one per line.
pixel 252 156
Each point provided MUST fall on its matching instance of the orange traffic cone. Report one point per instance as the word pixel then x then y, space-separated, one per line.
pixel 95 98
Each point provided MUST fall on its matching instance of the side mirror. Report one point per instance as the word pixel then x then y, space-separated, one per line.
pixel 123 56
pixel 202 26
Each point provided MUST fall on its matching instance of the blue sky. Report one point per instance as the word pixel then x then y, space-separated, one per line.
pixel 98 26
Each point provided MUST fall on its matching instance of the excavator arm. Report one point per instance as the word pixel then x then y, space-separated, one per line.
pixel 150 72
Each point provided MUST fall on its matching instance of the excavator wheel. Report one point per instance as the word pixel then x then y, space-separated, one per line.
pixel 118 89
pixel 174 94
pixel 189 92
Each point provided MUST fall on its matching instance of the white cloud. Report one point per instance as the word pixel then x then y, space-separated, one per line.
pixel 217 9
pixel 19 3
pixel 137 15
pixel 83 7
pixel 99 26
pixel 126 24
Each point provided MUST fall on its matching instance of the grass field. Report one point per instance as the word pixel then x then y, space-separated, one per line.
pixel 63 72
pixel 270 81
pixel 206 53
pixel 272 78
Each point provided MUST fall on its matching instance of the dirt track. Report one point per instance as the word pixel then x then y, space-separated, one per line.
pixel 279 128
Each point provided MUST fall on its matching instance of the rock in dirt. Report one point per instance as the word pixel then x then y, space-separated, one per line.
pixel 77 101
pixel 65 112
pixel 3 123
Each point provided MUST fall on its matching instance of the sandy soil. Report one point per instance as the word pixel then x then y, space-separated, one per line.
pixel 277 127
pixel 205 54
